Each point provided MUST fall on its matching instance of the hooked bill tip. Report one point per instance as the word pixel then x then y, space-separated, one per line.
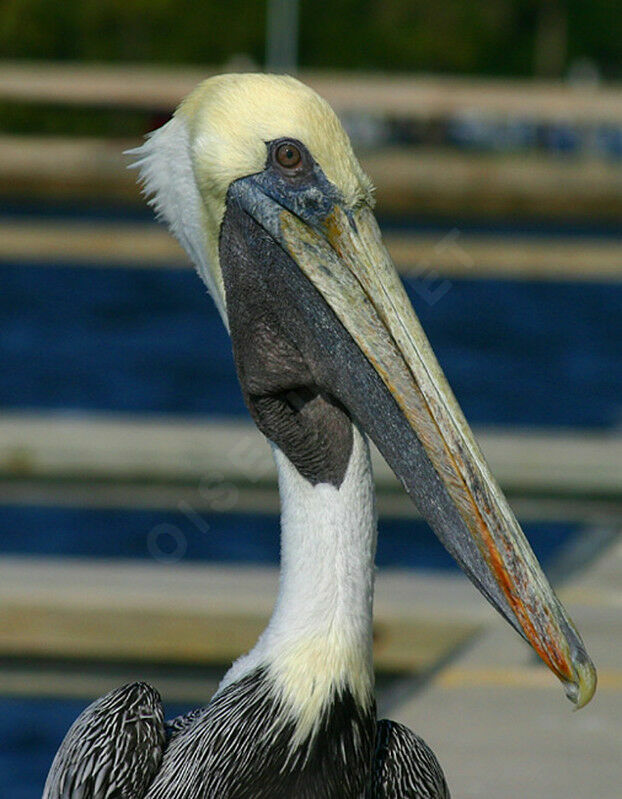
pixel 582 688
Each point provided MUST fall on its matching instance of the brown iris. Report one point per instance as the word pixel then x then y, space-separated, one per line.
pixel 288 155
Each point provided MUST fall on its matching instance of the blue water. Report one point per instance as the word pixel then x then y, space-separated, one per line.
pixel 170 536
pixel 136 340
pixel 30 733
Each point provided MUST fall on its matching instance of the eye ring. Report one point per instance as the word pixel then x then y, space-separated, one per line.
pixel 288 155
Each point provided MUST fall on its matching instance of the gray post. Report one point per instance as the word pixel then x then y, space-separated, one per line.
pixel 282 36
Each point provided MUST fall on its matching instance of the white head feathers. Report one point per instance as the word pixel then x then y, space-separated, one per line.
pixel 219 134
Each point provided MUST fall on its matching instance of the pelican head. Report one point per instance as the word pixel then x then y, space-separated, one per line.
pixel 257 179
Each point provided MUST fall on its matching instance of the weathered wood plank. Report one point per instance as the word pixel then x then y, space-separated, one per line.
pixel 453 254
pixel 68 679
pixel 145 462
pixel 208 614
pixel 177 450
pixel 423 180
pixel 216 497
pixel 414 95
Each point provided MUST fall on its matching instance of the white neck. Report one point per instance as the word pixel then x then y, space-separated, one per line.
pixel 320 635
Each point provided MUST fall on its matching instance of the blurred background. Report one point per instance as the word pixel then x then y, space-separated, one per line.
pixel 138 506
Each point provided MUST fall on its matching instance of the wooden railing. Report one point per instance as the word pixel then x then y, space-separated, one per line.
pixel 138 461
pixel 418 96
pixel 428 179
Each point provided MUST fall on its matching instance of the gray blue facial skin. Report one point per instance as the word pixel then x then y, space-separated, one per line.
pixel 306 193
pixel 301 318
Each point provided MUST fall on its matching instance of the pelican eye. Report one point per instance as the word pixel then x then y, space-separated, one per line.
pixel 288 155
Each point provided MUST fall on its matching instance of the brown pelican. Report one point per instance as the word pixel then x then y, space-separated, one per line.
pixel 257 179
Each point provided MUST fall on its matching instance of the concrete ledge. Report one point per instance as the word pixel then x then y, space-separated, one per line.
pixel 498 719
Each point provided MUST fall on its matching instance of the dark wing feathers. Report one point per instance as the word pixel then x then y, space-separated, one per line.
pixel 180 723
pixel 113 749
pixel 404 766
